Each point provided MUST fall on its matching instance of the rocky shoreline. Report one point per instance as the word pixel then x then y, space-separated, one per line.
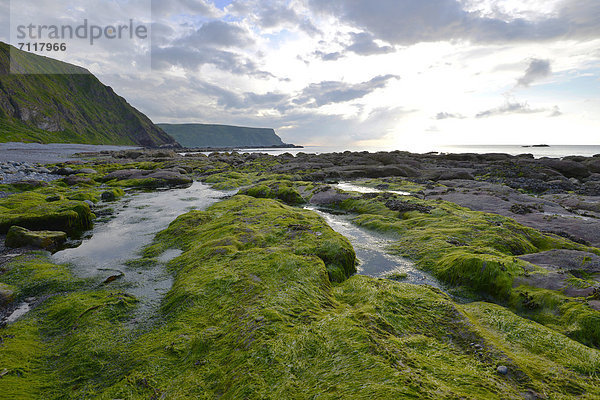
pixel 514 239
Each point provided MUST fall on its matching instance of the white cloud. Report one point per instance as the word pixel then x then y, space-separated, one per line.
pixel 536 70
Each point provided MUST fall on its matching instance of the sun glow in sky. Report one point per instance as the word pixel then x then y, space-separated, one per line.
pixel 383 73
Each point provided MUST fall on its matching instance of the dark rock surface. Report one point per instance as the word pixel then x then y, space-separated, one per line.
pixel 563 267
pixel 544 213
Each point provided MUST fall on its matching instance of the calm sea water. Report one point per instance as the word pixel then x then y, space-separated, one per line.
pixel 49 153
pixel 538 152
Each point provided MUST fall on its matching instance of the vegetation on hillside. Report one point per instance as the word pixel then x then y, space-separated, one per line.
pixel 66 105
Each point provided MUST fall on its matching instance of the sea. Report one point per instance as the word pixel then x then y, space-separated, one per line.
pixel 51 153
pixel 558 151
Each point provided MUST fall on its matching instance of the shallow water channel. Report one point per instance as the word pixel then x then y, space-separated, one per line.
pixel 136 220
pixel 371 252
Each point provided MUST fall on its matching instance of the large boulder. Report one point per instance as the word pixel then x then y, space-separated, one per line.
pixel 21 237
pixel 156 178
pixel 594 165
pixel 570 169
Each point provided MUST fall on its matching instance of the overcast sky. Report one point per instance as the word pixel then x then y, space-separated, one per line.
pixel 380 73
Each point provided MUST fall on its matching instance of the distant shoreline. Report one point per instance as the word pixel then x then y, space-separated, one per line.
pixel 206 149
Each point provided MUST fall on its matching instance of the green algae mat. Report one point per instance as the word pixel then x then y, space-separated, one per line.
pixel 265 305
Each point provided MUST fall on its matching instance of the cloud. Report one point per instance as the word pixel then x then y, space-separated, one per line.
pixel 189 58
pixel 328 92
pixel 273 15
pixel 334 56
pixel 510 108
pixel 4 21
pixel 161 8
pixel 407 22
pixel 445 115
pixel 555 112
pixel 363 44
pixel 219 33
pixel 537 69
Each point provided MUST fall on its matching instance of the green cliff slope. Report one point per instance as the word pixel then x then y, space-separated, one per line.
pixel 202 135
pixel 68 105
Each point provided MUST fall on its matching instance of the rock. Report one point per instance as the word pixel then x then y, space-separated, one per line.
pixel 404 206
pixel 449 174
pixel 29 184
pixel 561 266
pixel 502 370
pixel 570 169
pixel 86 171
pixel 64 171
pixel 89 203
pixel 161 177
pixel 522 209
pixel 21 237
pixel 562 259
pixel 327 196
pixel 593 165
pixel 7 295
pixel 73 180
pixel 53 198
pixel 109 196
pixel 132 154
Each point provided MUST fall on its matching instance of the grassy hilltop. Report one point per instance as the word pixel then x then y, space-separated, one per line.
pixel 66 105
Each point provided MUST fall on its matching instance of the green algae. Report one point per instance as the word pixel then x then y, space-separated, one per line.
pixel 476 252
pixel 253 221
pixel 34 275
pixel 253 313
pixel 31 210
pixel 276 189
pixel 572 317
pixel 459 246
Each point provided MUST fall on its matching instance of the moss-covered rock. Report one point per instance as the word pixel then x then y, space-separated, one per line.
pixel 31 210
pixel 21 237
pixel 113 194
pixel 281 190
pixel 7 294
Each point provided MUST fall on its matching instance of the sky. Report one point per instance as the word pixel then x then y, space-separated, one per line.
pixel 355 73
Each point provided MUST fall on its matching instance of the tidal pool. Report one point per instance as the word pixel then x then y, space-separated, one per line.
pixel 136 219
pixel 350 187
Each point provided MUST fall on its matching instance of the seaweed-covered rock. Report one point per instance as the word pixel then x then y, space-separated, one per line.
pixel 22 237
pixel 404 206
pixel 29 184
pixel 148 178
pixel 31 210
pixel 73 180
pixel 65 171
pixel 86 171
pixel 7 294
pixel 112 195
pixel 283 191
